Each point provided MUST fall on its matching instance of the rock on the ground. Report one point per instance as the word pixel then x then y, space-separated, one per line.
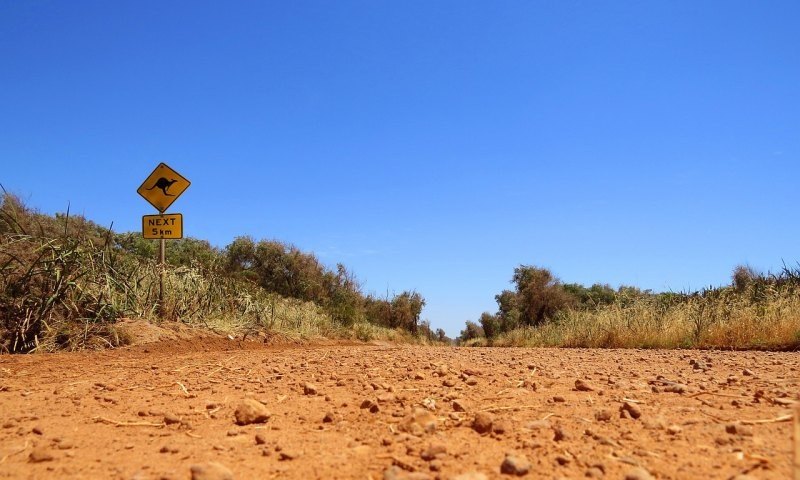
pixel 631 409
pixel 371 405
pixel 40 454
pixel 676 388
pixel 211 471
pixel 739 429
pixel 251 411
pixel 434 450
pixel 602 415
pixel 584 386
pixel 310 389
pixel 483 422
pixel 418 422
pixel 515 465
pixel 638 473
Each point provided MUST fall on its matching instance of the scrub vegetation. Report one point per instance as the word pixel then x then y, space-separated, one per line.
pixel 65 282
pixel 756 311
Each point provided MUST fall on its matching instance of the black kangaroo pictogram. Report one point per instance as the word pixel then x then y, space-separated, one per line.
pixel 164 185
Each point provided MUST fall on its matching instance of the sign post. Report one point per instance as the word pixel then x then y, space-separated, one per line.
pixel 161 188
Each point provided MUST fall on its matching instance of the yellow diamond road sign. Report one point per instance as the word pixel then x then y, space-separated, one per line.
pixel 169 226
pixel 163 187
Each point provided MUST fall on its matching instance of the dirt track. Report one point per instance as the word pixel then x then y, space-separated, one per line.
pixel 154 412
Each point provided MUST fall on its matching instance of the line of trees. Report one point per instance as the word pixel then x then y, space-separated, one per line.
pixel 537 297
pixel 286 270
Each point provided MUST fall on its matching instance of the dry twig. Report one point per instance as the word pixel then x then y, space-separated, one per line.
pixel 512 407
pixel 726 395
pixel 782 418
pixel 127 424
pixel 186 392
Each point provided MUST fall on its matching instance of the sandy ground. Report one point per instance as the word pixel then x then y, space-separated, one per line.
pixel 179 410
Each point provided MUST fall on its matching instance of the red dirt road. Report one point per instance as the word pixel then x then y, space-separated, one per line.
pixel 154 412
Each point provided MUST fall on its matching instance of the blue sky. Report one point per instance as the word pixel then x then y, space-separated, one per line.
pixel 428 145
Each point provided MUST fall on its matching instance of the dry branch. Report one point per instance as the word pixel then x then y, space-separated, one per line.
pixel 127 424
pixel 782 418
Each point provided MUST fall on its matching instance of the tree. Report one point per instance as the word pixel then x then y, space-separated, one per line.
pixel 441 335
pixel 406 309
pixel 540 294
pixel 508 313
pixel 490 324
pixel 470 332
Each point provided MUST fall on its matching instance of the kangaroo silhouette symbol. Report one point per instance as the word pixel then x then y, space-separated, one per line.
pixel 164 185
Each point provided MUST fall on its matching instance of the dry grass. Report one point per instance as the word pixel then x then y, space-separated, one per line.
pixel 764 314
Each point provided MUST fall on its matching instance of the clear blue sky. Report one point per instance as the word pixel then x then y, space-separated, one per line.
pixel 429 145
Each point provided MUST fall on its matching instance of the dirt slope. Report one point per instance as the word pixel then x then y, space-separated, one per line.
pixel 152 412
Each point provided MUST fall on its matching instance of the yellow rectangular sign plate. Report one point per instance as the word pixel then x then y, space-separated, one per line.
pixel 169 226
pixel 163 187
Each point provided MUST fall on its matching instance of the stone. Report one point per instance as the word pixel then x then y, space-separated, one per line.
pixel 251 411
pixel 310 389
pixel 171 419
pixel 211 471
pixel 482 423
pixel 370 405
pixel 40 454
pixel 675 388
pixel 560 433
pixel 584 386
pixel 638 473
pixel 285 455
pixel 500 427
pixel 594 472
pixel 418 422
pixel 515 465
pixel 631 409
pixel 459 405
pixel 563 460
pixel 433 451
pixel 602 415
pixel 739 429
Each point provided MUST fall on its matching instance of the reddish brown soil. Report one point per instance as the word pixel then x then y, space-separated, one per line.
pixel 102 415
